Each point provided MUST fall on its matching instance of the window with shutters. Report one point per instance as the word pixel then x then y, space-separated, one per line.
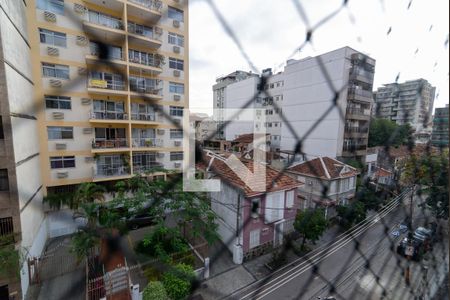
pixel 254 238
pixel 290 199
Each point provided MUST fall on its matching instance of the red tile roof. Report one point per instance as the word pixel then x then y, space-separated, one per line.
pixel 246 138
pixel 382 173
pixel 223 171
pixel 325 168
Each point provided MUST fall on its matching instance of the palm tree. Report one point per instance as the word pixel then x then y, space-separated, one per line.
pixel 88 192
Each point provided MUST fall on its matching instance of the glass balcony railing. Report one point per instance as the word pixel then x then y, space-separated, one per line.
pixel 147 142
pixel 150 4
pixel 358 111
pixel 360 92
pixel 104 20
pixel 356 130
pixel 110 171
pixel 145 31
pixel 353 148
pixel 146 59
pixel 109 115
pixel 98 143
pixel 143 117
pixel 107 81
pixel 150 166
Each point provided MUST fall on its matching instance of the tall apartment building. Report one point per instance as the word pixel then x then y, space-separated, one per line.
pixel 301 93
pixel 22 220
pixel 440 133
pixel 409 102
pixel 339 134
pixel 97 121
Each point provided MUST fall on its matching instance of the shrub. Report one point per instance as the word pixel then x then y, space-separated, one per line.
pixel 178 281
pixel 155 291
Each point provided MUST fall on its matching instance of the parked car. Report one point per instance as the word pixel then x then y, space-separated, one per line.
pixel 141 220
pixel 423 234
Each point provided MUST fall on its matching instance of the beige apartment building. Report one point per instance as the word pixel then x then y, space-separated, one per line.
pixel 100 122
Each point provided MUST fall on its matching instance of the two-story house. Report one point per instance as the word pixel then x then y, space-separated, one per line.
pixel 327 183
pixel 251 222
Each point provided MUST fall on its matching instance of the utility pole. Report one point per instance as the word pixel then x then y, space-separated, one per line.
pixel 409 250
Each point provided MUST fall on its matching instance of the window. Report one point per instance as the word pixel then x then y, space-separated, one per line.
pixel 254 238
pixel 4 182
pixel 59 133
pixel 176 39
pixel 256 207
pixel 176 133
pixel 176 111
pixel 177 64
pixel 57 102
pixel 176 156
pixel 61 162
pixel 176 14
pixel 54 6
pixel 177 88
pixel 289 199
pixel 2 135
pixel 114 52
pixel 57 71
pixel 52 37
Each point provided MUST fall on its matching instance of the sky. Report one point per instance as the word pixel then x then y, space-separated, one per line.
pixel 270 31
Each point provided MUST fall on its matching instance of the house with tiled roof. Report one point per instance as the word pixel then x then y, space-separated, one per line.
pixel 383 176
pixel 254 212
pixel 327 183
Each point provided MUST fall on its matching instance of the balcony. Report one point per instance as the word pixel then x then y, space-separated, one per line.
pixel 143 117
pixel 105 26
pixel 358 113
pixel 118 143
pixel 359 95
pixel 100 172
pixel 147 143
pixel 114 55
pixel 106 86
pixel 146 91
pixel 352 150
pixel 356 132
pixel 145 9
pixel 99 116
pixel 145 36
pixel 150 63
pixel 150 167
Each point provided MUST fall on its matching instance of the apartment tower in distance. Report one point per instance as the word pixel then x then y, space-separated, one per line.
pixel 98 121
pixel 409 102
pixel 439 136
pixel 22 219
pixel 341 132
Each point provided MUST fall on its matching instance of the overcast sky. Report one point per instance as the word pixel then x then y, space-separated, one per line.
pixel 271 30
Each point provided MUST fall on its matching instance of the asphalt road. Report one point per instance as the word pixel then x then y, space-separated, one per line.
pixel 348 268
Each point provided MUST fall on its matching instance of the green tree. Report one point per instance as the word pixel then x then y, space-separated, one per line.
pixel 368 197
pixel 310 224
pixel 178 281
pixel 155 291
pixel 351 214
pixel 383 132
pixel 88 192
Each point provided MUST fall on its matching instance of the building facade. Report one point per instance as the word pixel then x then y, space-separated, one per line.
pixel 108 76
pixel 22 219
pixel 301 94
pixel 409 102
pixel 439 137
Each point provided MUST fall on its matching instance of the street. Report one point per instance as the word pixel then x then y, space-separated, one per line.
pixel 348 268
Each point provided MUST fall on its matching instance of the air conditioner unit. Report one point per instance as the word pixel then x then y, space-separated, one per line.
pixel 89 159
pixel 177 143
pixel 176 97
pixel 176 49
pixel 160 131
pixel 58 115
pixel 79 9
pixel 62 174
pixel 82 71
pixel 160 155
pixel 176 23
pixel 176 73
pixel 49 16
pixel 52 51
pixel 60 146
pixel 87 130
pixel 85 101
pixel 55 83
pixel 81 40
pixel 177 165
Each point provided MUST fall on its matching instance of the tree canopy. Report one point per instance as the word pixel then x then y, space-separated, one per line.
pixel 310 224
pixel 385 132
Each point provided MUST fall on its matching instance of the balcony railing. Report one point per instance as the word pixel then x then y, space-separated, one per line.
pixel 147 167
pixel 109 144
pixel 147 142
pixel 356 130
pixel 104 20
pixel 146 90
pixel 151 33
pixel 106 84
pixel 110 171
pixel 353 148
pixel 358 111
pixel 360 92
pixel 147 59
pixel 150 4
pixel 101 115
pixel 143 117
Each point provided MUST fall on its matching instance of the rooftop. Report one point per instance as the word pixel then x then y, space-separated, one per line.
pixel 325 168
